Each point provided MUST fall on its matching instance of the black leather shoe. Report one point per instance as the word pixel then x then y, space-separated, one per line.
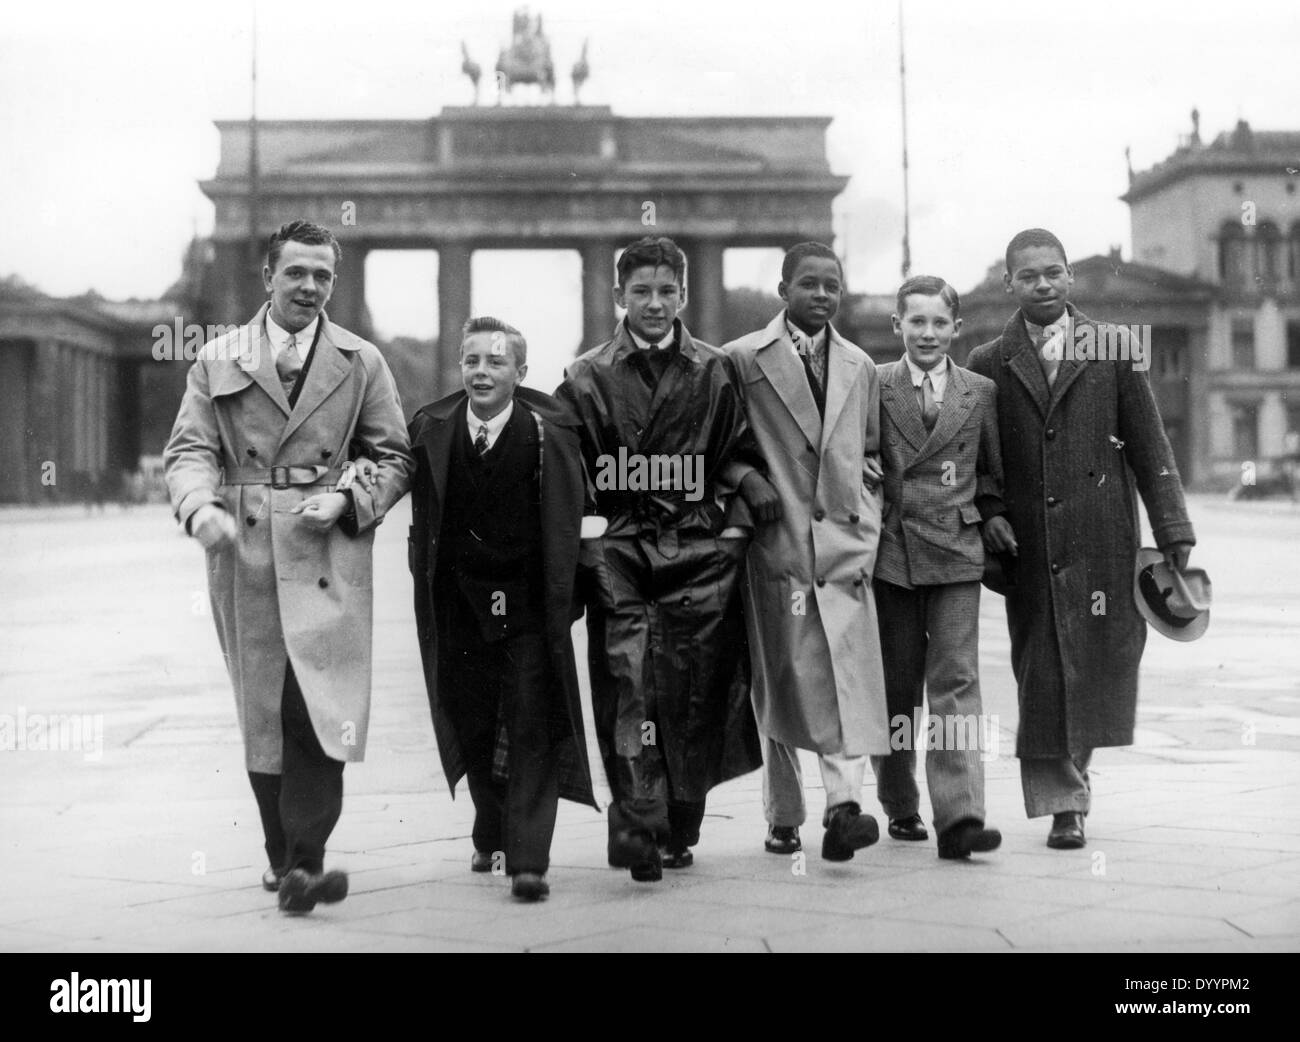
pixel 301 891
pixel 628 847
pixel 966 838
pixel 481 861
pixel 909 827
pixel 782 839
pixel 529 886
pixel 651 870
pixel 673 856
pixel 847 830
pixel 271 879
pixel 1067 831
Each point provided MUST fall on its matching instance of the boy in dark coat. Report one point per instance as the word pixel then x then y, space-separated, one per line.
pixel 1080 435
pixel 666 635
pixel 497 504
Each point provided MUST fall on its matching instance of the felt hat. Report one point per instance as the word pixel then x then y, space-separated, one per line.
pixel 1175 603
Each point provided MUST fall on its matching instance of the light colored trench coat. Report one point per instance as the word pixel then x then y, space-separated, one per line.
pixel 818 680
pixel 285 592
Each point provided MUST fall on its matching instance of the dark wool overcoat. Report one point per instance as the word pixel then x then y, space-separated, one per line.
pixel 1074 460
pixel 563 492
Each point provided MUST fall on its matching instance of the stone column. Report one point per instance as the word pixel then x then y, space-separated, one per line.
pixel 705 291
pixel 454 296
pixel 597 293
pixel 43 441
pixel 347 305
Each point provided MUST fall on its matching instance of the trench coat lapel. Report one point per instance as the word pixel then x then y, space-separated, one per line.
pixel 258 363
pixel 1071 366
pixel 841 375
pixel 957 404
pixel 786 374
pixel 329 368
pixel 899 400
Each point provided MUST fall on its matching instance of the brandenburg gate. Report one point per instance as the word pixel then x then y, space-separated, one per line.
pixel 521 177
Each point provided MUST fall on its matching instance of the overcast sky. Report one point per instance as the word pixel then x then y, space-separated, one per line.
pixel 1019 113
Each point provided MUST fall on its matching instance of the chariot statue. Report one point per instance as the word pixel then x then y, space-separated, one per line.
pixel 528 59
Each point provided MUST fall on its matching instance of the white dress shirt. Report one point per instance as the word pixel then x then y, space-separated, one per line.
pixel 494 426
pixel 1041 334
pixel 646 345
pixel 800 339
pixel 279 336
pixel 938 376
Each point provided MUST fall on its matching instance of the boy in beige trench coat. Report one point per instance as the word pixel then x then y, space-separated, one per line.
pixel 254 468
pixel 813 401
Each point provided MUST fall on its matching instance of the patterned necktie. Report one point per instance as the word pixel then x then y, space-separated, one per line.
pixel 929 410
pixel 814 356
pixel 481 441
pixel 1050 344
pixel 288 365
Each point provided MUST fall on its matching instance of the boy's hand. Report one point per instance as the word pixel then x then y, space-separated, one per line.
pixel 872 473
pixel 998 536
pixel 1176 555
pixel 761 497
pixel 321 511
pixel 365 472
pixel 213 526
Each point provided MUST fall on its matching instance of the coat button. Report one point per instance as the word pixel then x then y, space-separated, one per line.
pixel 250 521
pixel 323 582
pixel 325 454
pixel 1055 567
pixel 252 451
pixel 686 600
pixel 854 519
pixel 857 581
pixel 1051 433
pixel 821 581
pixel 1052 501
pixel 820 515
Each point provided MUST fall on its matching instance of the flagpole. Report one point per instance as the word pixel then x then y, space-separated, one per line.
pixel 254 189
pixel 902 82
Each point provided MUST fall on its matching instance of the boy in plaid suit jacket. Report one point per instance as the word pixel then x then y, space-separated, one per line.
pixel 939 448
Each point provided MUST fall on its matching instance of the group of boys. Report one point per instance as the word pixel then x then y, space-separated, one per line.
pixel 818 581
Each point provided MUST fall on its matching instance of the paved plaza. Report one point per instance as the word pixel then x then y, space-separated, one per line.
pixel 141 834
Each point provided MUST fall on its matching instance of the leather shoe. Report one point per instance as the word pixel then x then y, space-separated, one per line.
pixel 1067 831
pixel 628 847
pixel 300 890
pixel 481 861
pixel 847 830
pixel 782 839
pixel 529 886
pixel 673 856
pixel 968 837
pixel 909 827
pixel 271 879
pixel 651 870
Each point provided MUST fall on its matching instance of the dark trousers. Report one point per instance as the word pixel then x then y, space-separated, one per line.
pixel 929 642
pixel 301 805
pixel 487 687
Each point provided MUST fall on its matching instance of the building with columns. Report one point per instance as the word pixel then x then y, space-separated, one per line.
pixel 544 177
pixel 1215 274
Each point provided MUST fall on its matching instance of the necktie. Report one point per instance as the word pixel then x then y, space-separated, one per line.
pixel 929 410
pixel 1051 345
pixel 814 358
pixel 481 442
pixel 288 365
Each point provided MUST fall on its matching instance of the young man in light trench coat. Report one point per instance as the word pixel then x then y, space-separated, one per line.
pixel 254 468
pixel 813 401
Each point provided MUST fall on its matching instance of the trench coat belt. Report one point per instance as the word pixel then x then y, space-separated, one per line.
pixel 283 477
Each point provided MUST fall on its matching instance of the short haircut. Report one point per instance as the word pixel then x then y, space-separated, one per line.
pixel 807 249
pixel 1033 237
pixel 929 286
pixel 488 324
pixel 652 251
pixel 305 232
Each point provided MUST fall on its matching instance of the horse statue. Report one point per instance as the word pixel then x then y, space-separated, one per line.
pixel 470 68
pixel 528 59
pixel 581 70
